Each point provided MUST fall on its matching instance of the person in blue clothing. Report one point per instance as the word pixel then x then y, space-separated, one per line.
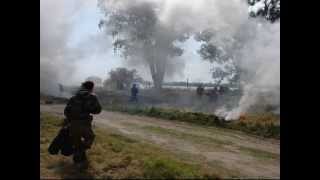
pixel 134 93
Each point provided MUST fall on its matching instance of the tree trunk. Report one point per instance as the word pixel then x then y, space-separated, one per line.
pixel 157 72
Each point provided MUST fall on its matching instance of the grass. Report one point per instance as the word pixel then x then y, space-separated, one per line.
pixel 115 156
pixel 265 125
pixel 260 154
pixel 170 114
pixel 217 143
pixel 182 135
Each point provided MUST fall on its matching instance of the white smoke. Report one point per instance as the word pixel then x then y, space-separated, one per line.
pixel 253 42
pixel 59 58
pixel 258 53
pixel 260 57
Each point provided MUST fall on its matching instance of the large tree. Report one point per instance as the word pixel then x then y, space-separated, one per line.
pixel 139 35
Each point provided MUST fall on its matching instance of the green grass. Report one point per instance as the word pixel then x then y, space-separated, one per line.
pixel 115 156
pixel 265 125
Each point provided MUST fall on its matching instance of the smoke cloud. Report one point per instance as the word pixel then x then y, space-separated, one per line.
pixel 62 59
pixel 252 43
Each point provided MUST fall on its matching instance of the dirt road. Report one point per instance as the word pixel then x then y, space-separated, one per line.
pixel 223 149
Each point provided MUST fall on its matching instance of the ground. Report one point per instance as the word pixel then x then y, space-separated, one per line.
pixel 227 152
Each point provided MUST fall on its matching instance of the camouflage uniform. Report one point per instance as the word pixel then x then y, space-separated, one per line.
pixel 78 112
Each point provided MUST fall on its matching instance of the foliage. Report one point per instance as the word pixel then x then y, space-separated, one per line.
pixel 123 78
pixel 139 35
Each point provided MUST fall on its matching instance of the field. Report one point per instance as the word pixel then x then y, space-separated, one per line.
pixel 129 145
pixel 114 156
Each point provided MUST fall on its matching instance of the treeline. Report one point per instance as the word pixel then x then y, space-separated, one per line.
pixel 183 83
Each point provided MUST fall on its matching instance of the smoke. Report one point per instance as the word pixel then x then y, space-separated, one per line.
pixel 252 43
pixel 61 58
pixel 261 59
pixel 143 38
pixel 53 34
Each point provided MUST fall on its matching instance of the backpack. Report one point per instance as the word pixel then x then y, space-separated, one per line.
pixel 61 143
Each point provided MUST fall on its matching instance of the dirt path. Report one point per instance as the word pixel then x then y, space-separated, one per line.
pixel 224 149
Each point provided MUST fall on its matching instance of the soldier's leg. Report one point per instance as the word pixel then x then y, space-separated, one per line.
pixel 88 137
pixel 76 133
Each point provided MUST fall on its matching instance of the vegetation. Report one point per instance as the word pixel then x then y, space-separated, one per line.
pixel 263 155
pixel 47 99
pixel 114 156
pixel 122 78
pixel 265 125
pixel 141 37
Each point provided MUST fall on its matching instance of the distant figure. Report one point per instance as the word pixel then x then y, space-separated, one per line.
pixel 61 89
pixel 223 90
pixel 213 94
pixel 78 114
pixel 200 90
pixel 134 93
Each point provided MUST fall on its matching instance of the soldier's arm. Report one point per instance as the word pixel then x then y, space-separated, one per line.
pixel 95 107
pixel 67 108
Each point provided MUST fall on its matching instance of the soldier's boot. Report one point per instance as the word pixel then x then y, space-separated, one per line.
pixel 80 161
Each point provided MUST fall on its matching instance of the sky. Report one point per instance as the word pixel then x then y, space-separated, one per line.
pixel 85 25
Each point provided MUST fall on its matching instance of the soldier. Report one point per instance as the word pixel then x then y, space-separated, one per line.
pixel 134 93
pixel 200 90
pixel 78 113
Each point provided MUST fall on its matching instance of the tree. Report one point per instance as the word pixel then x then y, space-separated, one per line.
pixel 225 53
pixel 228 73
pixel 123 78
pixel 95 79
pixel 224 67
pixel 139 35
pixel 269 9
